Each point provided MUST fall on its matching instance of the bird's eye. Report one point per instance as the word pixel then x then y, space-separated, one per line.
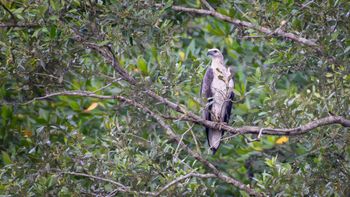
pixel 215 51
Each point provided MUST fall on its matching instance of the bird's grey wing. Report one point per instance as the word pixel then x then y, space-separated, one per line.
pixel 207 94
pixel 227 108
pixel 206 84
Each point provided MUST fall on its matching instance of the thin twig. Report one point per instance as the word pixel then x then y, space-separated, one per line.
pixel 184 177
pixel 182 137
pixel 9 11
pixel 207 5
pixel 94 177
pixel 106 86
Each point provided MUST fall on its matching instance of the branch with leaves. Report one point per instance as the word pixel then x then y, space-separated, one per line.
pixel 278 32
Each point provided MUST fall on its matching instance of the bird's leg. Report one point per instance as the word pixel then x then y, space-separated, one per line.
pixel 218 124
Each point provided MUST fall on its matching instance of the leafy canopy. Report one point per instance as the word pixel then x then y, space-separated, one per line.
pixel 278 83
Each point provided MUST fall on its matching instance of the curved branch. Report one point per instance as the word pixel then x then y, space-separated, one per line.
pixel 268 131
pixel 189 116
pixel 281 131
pixel 265 30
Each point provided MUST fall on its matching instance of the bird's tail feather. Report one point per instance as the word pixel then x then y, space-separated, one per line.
pixel 214 139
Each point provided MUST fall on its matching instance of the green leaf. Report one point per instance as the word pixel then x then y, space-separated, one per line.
pixel 142 64
pixel 54 4
pixel 53 31
pixel 258 73
pixel 6 158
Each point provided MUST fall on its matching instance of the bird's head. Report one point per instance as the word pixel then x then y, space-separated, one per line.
pixel 215 54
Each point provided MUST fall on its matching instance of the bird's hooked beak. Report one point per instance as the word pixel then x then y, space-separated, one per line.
pixel 210 53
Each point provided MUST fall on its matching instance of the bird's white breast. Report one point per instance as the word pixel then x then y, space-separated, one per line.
pixel 221 88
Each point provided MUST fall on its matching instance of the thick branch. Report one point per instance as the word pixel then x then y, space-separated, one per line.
pixel 265 30
pixel 279 131
pixel 189 116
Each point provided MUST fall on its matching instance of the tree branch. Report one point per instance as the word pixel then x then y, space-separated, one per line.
pixel 215 125
pixel 265 30
pixel 9 11
pixel 20 25
pixel 192 174
pixel 93 177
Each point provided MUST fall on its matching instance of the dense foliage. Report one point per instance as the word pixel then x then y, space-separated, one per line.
pixel 279 83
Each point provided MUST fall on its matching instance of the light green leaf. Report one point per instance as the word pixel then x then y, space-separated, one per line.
pixel 6 158
pixel 142 64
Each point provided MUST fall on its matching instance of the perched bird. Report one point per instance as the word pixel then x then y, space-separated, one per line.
pixel 217 89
